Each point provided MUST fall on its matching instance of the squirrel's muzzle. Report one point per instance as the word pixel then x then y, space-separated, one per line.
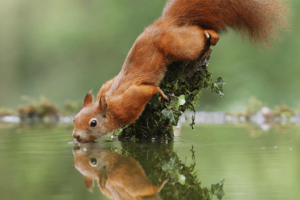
pixel 81 136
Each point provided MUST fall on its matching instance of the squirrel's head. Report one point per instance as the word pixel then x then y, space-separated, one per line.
pixel 91 159
pixel 91 122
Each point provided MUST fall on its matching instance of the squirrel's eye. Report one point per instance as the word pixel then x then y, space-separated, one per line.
pixel 93 161
pixel 93 123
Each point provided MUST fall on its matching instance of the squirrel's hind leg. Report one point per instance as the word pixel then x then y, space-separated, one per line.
pixel 185 43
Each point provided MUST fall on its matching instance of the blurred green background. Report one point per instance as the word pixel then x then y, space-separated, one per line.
pixel 63 49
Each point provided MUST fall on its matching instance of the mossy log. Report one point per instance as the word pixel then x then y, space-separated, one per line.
pixel 182 84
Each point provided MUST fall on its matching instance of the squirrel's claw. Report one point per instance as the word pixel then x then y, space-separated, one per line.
pixel 213 36
pixel 162 95
pixel 165 97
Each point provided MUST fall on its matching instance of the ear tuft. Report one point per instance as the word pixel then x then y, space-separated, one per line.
pixel 89 183
pixel 88 99
pixel 103 105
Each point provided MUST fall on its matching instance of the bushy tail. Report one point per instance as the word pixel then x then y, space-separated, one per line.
pixel 259 20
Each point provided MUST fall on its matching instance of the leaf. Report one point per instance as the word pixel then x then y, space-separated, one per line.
pixel 217 86
pixel 170 115
pixel 181 100
pixel 217 189
pixel 181 179
pixel 168 165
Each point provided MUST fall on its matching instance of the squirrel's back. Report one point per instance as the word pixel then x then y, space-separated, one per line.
pixel 257 19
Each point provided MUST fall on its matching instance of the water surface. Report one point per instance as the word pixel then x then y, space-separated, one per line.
pixel 38 163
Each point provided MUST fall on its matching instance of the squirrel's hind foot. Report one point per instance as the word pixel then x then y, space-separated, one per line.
pixel 213 36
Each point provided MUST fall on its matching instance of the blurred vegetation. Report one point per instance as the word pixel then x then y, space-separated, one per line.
pixel 37 111
pixel 71 108
pixel 43 110
pixel 6 112
pixel 62 49
pixel 256 106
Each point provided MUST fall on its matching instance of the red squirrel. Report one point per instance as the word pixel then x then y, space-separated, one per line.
pixel 178 35
pixel 118 176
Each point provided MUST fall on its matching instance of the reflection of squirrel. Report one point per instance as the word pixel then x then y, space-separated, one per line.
pixel 178 35
pixel 118 176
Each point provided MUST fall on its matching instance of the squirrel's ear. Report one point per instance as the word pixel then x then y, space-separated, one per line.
pixel 89 183
pixel 88 99
pixel 102 106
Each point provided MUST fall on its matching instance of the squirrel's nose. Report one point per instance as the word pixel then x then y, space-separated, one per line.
pixel 75 135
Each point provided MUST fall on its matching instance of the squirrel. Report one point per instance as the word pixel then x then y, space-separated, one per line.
pixel 118 176
pixel 178 35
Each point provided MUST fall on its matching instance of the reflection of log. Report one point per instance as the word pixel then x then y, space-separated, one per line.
pixel 118 176
pixel 160 162
pixel 141 171
pixel 158 118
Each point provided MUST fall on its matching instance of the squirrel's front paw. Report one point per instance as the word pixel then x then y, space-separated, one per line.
pixel 213 36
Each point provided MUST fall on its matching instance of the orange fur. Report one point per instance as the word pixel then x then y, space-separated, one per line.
pixel 178 35
pixel 118 177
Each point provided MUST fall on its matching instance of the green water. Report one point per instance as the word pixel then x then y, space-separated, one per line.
pixel 38 163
